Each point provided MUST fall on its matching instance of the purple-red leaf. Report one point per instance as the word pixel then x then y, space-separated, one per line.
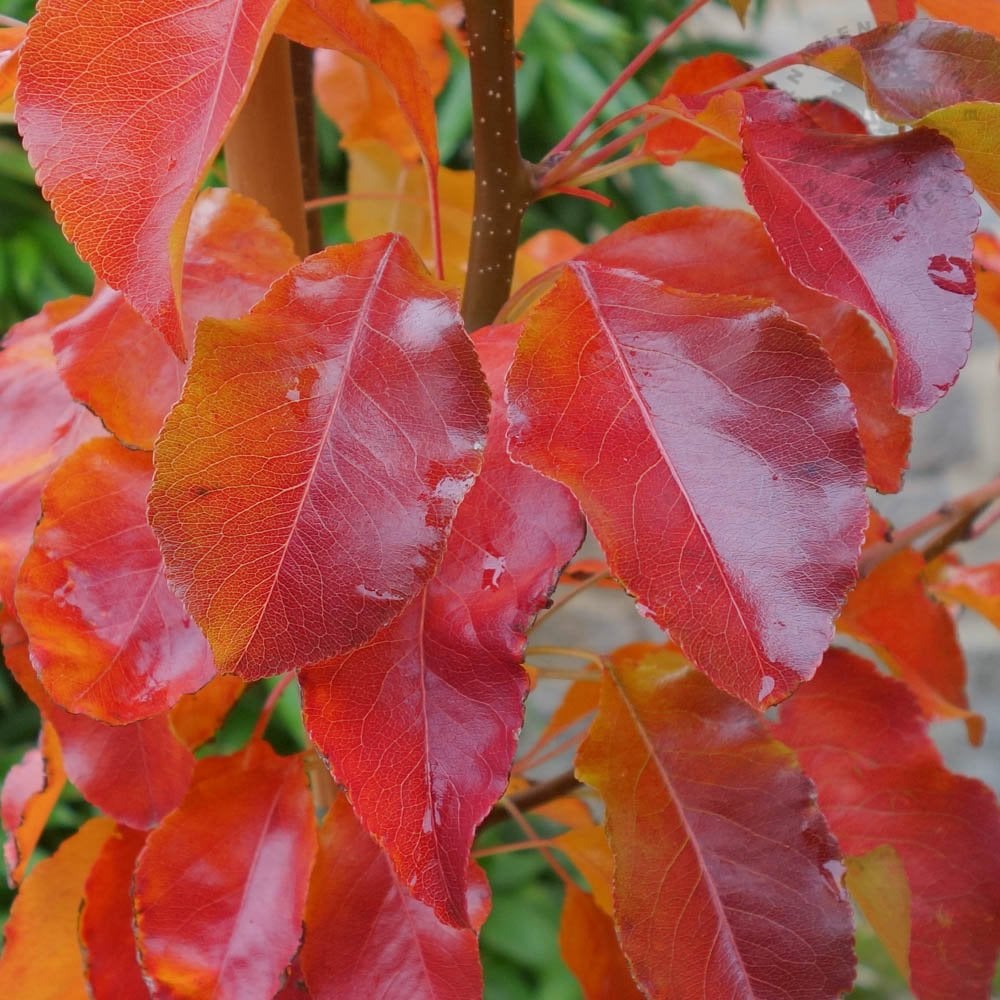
pixel 367 938
pixel 220 886
pixel 862 739
pixel 307 479
pixel 678 420
pixel 706 249
pixel 106 931
pixel 107 636
pixel 883 223
pixel 420 723
pixel 120 367
pixel 123 107
pixel 726 876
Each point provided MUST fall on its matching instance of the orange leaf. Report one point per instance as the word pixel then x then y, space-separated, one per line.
pixel 41 957
pixel 108 638
pixel 891 611
pixel 29 792
pixel 983 15
pixel 106 931
pixel 368 411
pixel 863 740
pixel 877 883
pixel 220 886
pixel 196 717
pixel 11 42
pixel 717 841
pixel 375 168
pixel 39 424
pixel 977 587
pixel 587 847
pixel 123 108
pixel 590 949
pixel 120 367
pixel 986 257
pixel 361 101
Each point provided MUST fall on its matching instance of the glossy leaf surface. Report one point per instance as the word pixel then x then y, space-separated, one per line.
pixel 107 636
pixel 359 99
pixel 136 773
pixel 701 249
pixel 717 839
pixel 307 479
pixel 39 425
pixel 591 951
pixel 925 653
pixel 41 957
pixel 367 938
pixel 220 886
pixel 420 723
pixel 909 70
pixel 642 399
pixel 862 739
pixel 883 223
pixel 30 790
pixel 120 367
pixel 167 77
pixel 106 932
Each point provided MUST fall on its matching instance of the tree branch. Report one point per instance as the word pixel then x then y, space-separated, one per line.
pixel 504 187
pixel 533 797
pixel 305 120
pixel 262 151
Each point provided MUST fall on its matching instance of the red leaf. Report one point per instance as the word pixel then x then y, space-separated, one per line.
pixel 888 11
pixel 643 399
pixel 30 790
pixel 358 30
pixel 705 249
pixel 924 652
pixel 883 223
pixel 123 108
pixel 420 724
pixel 107 637
pixel 39 424
pixel 913 68
pixel 367 411
pixel 725 873
pixel 120 367
pixel 221 885
pixel 590 949
pixel 136 773
pixel 862 739
pixel 367 938
pixel 106 931
pixel 41 957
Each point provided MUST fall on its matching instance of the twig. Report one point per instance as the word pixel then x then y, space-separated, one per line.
pixel 575 592
pixel 533 797
pixel 269 705
pixel 305 120
pixel 546 852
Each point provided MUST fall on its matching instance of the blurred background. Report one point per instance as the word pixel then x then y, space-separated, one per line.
pixel 572 50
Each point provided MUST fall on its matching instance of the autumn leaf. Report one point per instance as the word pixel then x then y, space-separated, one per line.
pixel 39 425
pixel 41 957
pixel 643 400
pixel 107 636
pixel 703 249
pixel 975 587
pixel 987 261
pixel 862 738
pixel 877 882
pixel 367 938
pixel 972 128
pixel 115 363
pixel 883 223
pixel 30 790
pixel 717 840
pixel 136 773
pixel 106 932
pixel 587 847
pixel 926 653
pixel 983 15
pixel 590 950
pixel 226 922
pixel 358 97
pixel 419 724
pixel 890 11
pixel 11 43
pixel 368 411
pixel 196 717
pixel 121 142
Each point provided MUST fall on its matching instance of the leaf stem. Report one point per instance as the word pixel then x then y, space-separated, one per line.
pixel 521 845
pixel 961 510
pixel 753 75
pixel 561 602
pixel 531 798
pixel 570 651
pixel 269 706
pixel 626 74
pixel 504 184
pixel 543 849
pixel 342 199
